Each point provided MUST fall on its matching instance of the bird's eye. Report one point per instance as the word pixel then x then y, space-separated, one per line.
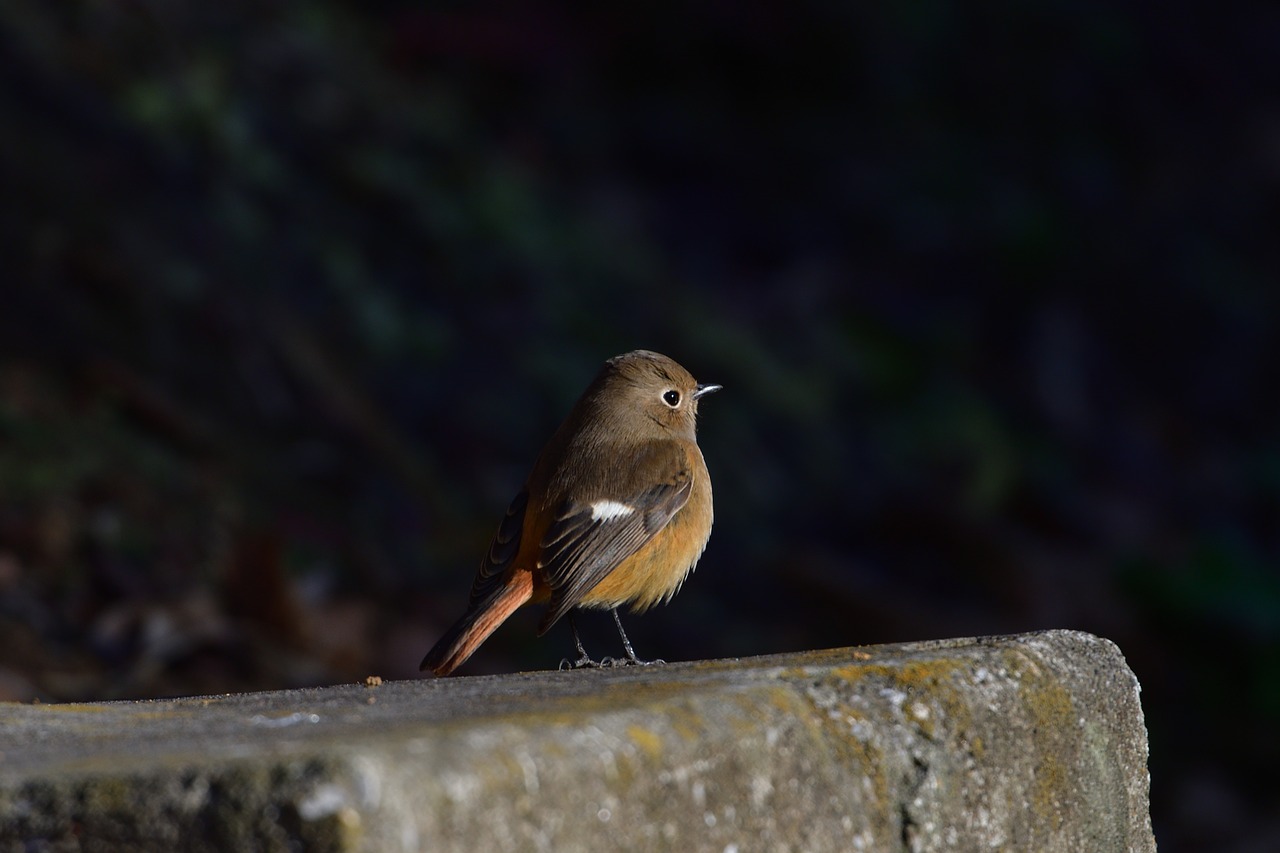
pixel 671 397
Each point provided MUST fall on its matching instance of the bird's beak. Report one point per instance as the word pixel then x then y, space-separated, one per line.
pixel 705 389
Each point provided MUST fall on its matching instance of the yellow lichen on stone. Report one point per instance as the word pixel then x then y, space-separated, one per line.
pixel 1052 716
pixel 647 741
pixel 1050 705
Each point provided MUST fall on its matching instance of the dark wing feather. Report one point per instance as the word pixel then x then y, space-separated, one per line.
pixel 579 551
pixel 503 549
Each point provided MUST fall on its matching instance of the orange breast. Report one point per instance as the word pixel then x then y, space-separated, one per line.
pixel 656 571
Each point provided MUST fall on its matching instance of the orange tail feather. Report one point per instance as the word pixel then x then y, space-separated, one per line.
pixel 461 641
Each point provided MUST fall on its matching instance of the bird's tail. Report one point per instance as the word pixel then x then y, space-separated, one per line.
pixel 481 620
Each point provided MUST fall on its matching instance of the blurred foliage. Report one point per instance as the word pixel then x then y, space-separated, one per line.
pixel 293 292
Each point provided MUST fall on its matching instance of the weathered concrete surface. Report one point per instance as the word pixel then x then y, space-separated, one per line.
pixel 1034 742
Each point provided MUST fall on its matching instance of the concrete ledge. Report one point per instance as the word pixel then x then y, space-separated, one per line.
pixel 1032 742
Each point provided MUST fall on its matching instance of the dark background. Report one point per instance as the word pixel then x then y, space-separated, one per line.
pixel 293 292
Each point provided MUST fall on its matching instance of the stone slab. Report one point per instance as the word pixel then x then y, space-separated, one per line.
pixel 1028 742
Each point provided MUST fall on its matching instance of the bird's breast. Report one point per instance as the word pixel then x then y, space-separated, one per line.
pixel 656 571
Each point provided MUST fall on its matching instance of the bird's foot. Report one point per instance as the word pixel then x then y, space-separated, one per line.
pixel 584 662
pixel 629 661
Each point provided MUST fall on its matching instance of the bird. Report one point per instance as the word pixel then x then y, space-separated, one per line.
pixel 616 510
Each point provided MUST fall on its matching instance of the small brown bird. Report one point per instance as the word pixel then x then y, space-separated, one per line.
pixel 617 510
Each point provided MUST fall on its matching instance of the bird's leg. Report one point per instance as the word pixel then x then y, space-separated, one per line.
pixel 584 660
pixel 631 659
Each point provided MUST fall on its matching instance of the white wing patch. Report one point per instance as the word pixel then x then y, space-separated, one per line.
pixel 607 510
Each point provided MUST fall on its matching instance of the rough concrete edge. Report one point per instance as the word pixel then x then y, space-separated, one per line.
pixel 1139 790
pixel 321 796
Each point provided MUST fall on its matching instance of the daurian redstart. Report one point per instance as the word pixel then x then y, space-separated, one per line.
pixel 617 510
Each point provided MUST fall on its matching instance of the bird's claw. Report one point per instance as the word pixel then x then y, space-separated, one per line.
pixel 583 662
pixel 631 661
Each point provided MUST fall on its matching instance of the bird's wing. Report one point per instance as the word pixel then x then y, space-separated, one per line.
pixel 589 537
pixel 502 550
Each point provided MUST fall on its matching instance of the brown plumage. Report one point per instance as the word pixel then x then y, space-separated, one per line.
pixel 617 510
